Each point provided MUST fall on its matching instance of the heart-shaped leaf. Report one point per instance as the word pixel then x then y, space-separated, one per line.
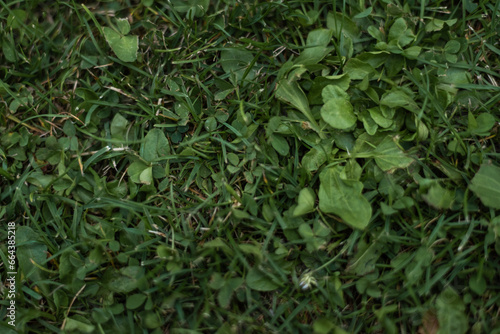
pixel 258 281
pixel 123 26
pixel 343 198
pixel 306 200
pixel 389 156
pixel 125 47
pixel 400 34
pixel 135 170
pixel 451 312
pixel 146 175
pixel 237 61
pixel 358 69
pixel 338 113
pixel 155 145
pixel 486 185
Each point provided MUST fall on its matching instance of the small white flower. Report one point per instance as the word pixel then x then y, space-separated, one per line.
pixel 307 280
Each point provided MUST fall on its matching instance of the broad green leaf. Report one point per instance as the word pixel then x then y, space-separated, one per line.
pixel 30 249
pixel 237 61
pixel 375 58
pixel 478 284
pixel 307 18
pixel 376 33
pixel 341 80
pixel 135 301
pixel 233 159
pixel 389 156
pixel 280 144
pixel 18 102
pixel 72 325
pixel 211 124
pixel 155 145
pixel 252 249
pixel 256 280
pixel 380 119
pixel 216 281
pixel 398 98
pixel 315 92
pixel 415 270
pixel 290 92
pixel 338 113
pixel 481 125
pixel 412 52
pixel 364 13
pixel 135 169
pixel 319 37
pixel 470 6
pixel 494 227
pixel 400 34
pixel 323 326
pixel 366 256
pixel 437 24
pixel 69 129
pixel 192 8
pixel 126 279
pixel 352 170
pixel 340 23
pixel 227 290
pixel 118 127
pixel 358 69
pixel 9 51
pixel 486 185
pixel 389 186
pixel 434 25
pixel 366 285
pixel 439 197
pixel 219 244
pixel 403 203
pixel 452 46
pixel 344 140
pixel 316 47
pixel 332 92
pixel 368 123
pixel 313 159
pixel 454 76
pixel 86 94
pixel 305 203
pixel 451 58
pixel 123 26
pixel 343 198
pixel 451 313
pixel 16 18
pixel 221 95
pixel 146 176
pixel 313 240
pixel 151 319
pixel 101 315
pixel 240 214
pixel 125 47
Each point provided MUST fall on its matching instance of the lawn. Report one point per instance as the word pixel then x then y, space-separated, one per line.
pixel 185 166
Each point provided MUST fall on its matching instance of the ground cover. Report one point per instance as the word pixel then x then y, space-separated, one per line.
pixel 251 166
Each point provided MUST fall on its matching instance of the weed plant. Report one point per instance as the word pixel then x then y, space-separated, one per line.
pixel 251 166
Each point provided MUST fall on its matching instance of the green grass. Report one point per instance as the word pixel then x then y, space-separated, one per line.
pixel 251 167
